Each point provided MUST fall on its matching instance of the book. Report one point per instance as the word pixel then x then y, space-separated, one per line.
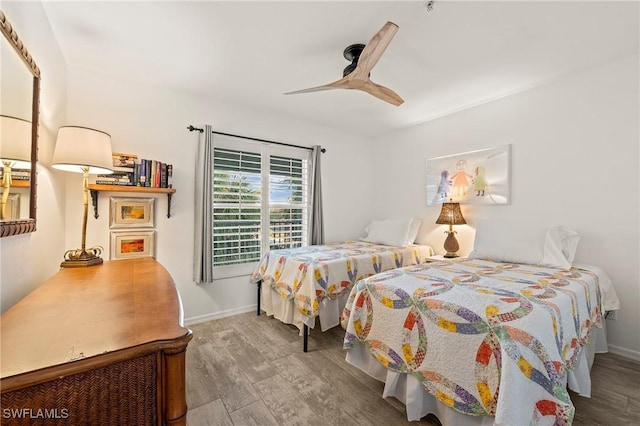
pixel 163 175
pixel 123 160
pixel 153 173
pixel 123 169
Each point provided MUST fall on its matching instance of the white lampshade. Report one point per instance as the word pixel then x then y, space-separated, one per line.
pixel 78 147
pixel 15 142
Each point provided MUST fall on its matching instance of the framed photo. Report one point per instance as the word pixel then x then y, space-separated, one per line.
pixel 132 243
pixel 131 212
pixel 475 177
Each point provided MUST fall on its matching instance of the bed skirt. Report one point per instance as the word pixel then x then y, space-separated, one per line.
pixel 284 310
pixel 419 402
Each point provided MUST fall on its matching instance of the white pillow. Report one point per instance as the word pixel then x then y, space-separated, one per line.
pixel 388 232
pixel 519 243
pixel 413 231
pixel 560 246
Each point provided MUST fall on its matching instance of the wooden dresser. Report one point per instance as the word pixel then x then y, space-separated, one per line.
pixel 96 346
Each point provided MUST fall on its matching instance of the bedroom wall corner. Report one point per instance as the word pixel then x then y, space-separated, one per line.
pixel 575 162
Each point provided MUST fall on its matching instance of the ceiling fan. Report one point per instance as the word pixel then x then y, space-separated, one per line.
pixel 363 59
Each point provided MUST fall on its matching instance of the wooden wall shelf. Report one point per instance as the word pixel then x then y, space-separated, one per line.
pixel 95 189
pixel 17 183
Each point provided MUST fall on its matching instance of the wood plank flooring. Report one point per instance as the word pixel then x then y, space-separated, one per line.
pixel 250 370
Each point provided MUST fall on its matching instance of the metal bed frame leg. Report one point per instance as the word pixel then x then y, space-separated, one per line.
pixel 305 338
pixel 259 286
pixel 305 328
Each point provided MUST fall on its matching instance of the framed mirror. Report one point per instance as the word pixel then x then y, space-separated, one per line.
pixel 19 109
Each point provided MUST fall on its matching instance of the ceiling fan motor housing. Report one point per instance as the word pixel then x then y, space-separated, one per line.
pixel 352 53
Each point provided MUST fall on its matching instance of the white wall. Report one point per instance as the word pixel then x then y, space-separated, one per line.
pixel 151 122
pixel 575 161
pixel 28 260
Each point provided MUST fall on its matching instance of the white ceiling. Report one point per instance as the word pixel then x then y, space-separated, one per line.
pixel 458 55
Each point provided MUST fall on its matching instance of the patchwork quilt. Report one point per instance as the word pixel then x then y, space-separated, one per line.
pixel 310 274
pixel 485 338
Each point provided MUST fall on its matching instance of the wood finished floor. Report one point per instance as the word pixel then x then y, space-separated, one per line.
pixel 250 370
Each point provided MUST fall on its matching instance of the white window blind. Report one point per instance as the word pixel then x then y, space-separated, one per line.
pixel 237 200
pixel 288 202
pixel 260 201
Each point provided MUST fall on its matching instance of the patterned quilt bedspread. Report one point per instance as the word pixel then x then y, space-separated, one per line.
pixel 310 274
pixel 485 338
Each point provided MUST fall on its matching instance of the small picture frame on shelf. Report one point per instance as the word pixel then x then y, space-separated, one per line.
pixel 131 212
pixel 132 244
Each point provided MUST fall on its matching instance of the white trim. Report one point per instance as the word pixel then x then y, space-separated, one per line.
pixel 233 271
pixel 627 353
pixel 218 315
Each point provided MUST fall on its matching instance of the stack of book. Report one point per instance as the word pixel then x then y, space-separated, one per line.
pixel 17 174
pixel 123 170
pixel 129 170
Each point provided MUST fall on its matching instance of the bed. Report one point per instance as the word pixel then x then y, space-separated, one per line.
pixel 481 342
pixel 298 285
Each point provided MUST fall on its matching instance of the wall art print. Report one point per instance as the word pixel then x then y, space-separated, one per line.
pixel 132 244
pixel 475 177
pixel 131 212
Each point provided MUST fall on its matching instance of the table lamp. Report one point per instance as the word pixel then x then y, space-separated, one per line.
pixel 451 215
pixel 86 151
pixel 15 152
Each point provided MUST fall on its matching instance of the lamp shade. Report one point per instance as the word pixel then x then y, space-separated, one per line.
pixel 15 142
pixel 450 215
pixel 80 147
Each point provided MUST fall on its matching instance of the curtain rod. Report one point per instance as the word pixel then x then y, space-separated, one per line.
pixel 196 129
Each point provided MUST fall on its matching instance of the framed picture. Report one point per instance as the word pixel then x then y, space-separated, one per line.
pixel 131 212
pixel 132 243
pixel 475 177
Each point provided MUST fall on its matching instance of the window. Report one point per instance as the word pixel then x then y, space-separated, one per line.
pixel 288 202
pixel 237 201
pixel 260 201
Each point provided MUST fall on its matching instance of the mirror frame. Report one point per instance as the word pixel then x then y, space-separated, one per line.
pixel 23 226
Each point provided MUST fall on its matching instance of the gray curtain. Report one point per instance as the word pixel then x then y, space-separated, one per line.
pixel 203 229
pixel 317 218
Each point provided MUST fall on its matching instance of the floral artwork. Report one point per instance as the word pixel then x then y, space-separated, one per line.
pixel 475 177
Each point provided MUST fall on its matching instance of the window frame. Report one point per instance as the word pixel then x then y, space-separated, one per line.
pixel 266 150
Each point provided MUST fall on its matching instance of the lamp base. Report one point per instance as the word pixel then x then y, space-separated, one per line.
pixel 80 258
pixel 451 245
pixel 81 263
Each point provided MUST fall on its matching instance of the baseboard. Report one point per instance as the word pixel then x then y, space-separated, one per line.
pixel 627 353
pixel 217 315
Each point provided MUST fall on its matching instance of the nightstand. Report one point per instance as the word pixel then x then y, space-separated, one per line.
pixel 440 257
pixel 435 257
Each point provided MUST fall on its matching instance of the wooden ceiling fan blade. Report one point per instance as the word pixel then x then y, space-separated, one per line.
pixel 311 89
pixel 339 84
pixel 382 92
pixel 374 49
